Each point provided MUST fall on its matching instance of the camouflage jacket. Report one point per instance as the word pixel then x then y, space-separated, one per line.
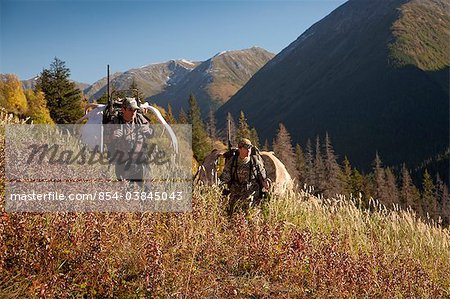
pixel 129 137
pixel 244 178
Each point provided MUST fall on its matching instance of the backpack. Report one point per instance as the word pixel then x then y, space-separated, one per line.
pixel 112 114
pixel 255 161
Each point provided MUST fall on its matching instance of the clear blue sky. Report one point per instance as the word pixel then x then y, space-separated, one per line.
pixel 88 35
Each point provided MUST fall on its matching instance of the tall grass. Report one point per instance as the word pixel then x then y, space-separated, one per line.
pixel 296 246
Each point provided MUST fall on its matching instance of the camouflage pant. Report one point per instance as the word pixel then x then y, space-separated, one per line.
pixel 136 173
pixel 243 197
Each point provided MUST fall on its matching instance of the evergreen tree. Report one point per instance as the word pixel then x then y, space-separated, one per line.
pixel 211 125
pixel 309 164
pixel 445 206
pixel 333 173
pixel 38 111
pixel 169 115
pixel 357 183
pixel 137 91
pixel 428 195
pixel 103 99
pixel 233 130
pixel 409 194
pixel 300 165
pixel 442 200
pixel 254 138
pixel 243 128
pixel 183 117
pixel 64 99
pixel 379 180
pixel 12 97
pixel 438 192
pixel 347 178
pixel 266 146
pixel 282 147
pixel 319 169
pixel 201 145
pixel 391 191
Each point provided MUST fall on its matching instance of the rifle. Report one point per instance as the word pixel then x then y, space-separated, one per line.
pixel 110 101
pixel 264 195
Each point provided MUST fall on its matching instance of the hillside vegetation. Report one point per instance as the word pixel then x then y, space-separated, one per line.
pixel 301 246
pixel 298 245
pixel 416 42
pixel 372 74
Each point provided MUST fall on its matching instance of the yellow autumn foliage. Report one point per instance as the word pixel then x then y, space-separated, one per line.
pixel 12 97
pixel 37 111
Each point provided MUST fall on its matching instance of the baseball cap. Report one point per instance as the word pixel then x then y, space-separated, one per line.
pixel 130 103
pixel 244 142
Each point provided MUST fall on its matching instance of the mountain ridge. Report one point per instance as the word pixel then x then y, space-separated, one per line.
pixel 339 77
pixel 215 80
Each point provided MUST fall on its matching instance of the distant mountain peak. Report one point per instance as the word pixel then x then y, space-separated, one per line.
pixel 188 62
pixel 158 79
pixel 220 53
pixel 215 80
pixel 31 83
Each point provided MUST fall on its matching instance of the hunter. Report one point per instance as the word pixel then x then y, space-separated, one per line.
pixel 126 140
pixel 245 175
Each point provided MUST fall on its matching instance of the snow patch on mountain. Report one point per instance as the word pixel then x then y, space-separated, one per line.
pixel 187 62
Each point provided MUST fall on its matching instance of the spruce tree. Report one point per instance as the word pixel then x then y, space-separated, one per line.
pixel 319 169
pixel 347 177
pixel 333 173
pixel 442 200
pixel 254 138
pixel 409 194
pixel 103 99
pixel 183 117
pixel 379 180
pixel 300 165
pixel 428 195
pixel 391 189
pixel 445 206
pixel 211 125
pixel 441 197
pixel 309 164
pixel 357 183
pixel 136 91
pixel 233 130
pixel 243 130
pixel 201 145
pixel 282 147
pixel 266 146
pixel 64 99
pixel 438 190
pixel 169 115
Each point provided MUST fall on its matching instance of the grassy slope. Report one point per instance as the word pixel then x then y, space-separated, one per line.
pixel 233 70
pixel 419 43
pixel 300 247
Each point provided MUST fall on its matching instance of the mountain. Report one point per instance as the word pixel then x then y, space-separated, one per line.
pixel 215 80
pixel 373 74
pixel 151 79
pixel 31 84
